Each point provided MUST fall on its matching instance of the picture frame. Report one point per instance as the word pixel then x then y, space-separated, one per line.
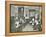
pixel 8 14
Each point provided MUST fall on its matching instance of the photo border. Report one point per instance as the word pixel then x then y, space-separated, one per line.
pixel 8 14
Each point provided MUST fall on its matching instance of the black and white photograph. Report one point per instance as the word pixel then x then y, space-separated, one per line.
pixel 25 18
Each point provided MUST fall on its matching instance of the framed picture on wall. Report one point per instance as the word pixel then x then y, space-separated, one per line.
pixel 24 18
